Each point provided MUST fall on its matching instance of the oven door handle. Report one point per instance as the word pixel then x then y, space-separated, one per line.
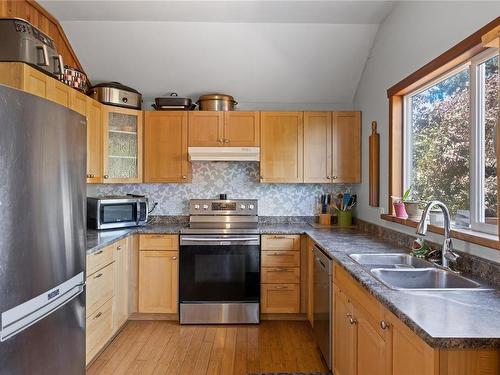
pixel 203 239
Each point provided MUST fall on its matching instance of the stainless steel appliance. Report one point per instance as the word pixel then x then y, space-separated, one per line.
pixel 322 297
pixel 42 236
pixel 219 263
pixel 114 93
pixel 173 103
pixel 21 41
pixel 115 211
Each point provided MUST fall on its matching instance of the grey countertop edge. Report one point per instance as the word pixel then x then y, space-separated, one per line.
pixel 324 237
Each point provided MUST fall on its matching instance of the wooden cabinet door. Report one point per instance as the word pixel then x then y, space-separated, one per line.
pixel 122 145
pixel 59 92
pixel 35 82
pixel 241 129
pixel 317 147
pixel 94 141
pixel 206 128
pixel 281 141
pixel 120 301
pixel 78 102
pixel 165 147
pixel 158 281
pixel 346 147
pixel 370 348
pixel 310 282
pixel 343 335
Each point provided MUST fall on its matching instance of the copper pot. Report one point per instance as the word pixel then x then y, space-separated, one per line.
pixel 216 102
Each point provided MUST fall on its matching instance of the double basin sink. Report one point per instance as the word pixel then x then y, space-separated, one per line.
pixel 402 271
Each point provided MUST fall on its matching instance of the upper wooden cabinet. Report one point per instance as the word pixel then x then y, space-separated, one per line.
pixel 122 145
pixel 165 147
pixel 94 141
pixel 281 141
pixel 332 147
pixel 231 128
pixel 346 147
pixel 317 147
pixel 205 128
pixel 241 129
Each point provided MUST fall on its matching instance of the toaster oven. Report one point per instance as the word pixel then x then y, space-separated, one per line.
pixel 116 212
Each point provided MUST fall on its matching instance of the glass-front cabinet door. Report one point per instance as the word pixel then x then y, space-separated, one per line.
pixel 122 145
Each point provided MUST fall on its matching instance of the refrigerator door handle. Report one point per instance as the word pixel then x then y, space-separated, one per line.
pixel 30 312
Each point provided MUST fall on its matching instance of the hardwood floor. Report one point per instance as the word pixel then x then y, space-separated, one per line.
pixel 165 347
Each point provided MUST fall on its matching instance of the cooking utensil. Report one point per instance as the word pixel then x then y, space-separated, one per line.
pixel 114 93
pixel 172 102
pixel 216 102
pixel 74 78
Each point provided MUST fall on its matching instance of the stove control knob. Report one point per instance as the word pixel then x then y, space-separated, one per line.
pixel 196 206
pixel 251 206
pixel 242 206
pixel 205 206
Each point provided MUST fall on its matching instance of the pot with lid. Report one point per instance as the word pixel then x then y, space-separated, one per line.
pixel 114 93
pixel 216 102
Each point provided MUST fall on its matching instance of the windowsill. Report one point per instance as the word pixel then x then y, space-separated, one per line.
pixel 466 235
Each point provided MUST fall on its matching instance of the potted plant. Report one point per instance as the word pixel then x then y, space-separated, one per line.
pixel 399 208
pixel 411 205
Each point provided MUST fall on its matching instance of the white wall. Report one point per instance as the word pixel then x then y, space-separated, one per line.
pixel 411 36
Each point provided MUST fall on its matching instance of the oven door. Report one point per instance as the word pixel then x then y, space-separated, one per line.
pixel 117 215
pixel 219 278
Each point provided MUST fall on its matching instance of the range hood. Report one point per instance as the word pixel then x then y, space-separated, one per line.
pixel 224 153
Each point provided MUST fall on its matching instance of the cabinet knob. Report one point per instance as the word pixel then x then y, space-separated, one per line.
pixel 98 315
pixel 261 177
pixel 384 324
pixel 105 176
pixel 184 177
pixel 220 140
pixel 328 177
pixel 97 276
pixel 226 140
pixel 351 319
pixel 173 258
pixel 334 177
pixel 118 248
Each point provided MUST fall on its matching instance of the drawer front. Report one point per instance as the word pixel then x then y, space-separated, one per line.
pixel 158 242
pixel 99 259
pixel 280 258
pixel 100 287
pixel 290 242
pixel 280 275
pixel 280 298
pixel 99 329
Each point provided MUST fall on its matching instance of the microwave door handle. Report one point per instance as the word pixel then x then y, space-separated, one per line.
pixel 138 213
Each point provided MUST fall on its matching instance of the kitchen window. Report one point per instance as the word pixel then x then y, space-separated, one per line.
pixel 449 141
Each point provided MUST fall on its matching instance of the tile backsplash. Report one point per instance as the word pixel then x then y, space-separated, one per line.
pixel 237 180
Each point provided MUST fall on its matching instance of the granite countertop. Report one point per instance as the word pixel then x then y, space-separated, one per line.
pixel 443 319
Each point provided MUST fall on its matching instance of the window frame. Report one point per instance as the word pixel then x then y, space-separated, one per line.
pixel 487 36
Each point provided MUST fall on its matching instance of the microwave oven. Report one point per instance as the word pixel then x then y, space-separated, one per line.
pixel 116 212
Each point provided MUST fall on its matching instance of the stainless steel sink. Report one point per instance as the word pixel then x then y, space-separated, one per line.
pixel 423 278
pixel 390 260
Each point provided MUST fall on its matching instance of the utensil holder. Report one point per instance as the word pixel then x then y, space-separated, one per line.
pixel 344 218
pixel 325 219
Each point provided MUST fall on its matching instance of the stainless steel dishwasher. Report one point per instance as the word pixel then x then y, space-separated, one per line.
pixel 323 304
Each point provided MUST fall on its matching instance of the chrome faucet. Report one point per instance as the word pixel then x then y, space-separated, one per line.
pixel 447 254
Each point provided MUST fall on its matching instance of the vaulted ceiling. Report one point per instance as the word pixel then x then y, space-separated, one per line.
pixel 267 54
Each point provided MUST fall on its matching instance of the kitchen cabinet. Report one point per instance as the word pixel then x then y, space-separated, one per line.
pixel 94 141
pixel 343 337
pixel 205 128
pixel 241 129
pixel 78 102
pixel 121 283
pixel 317 147
pixel 58 92
pixel 332 147
pixel 122 145
pixel 310 281
pixel 99 329
pixel 280 270
pixel 158 274
pixel 346 147
pixel 228 129
pixel 281 141
pixel 166 147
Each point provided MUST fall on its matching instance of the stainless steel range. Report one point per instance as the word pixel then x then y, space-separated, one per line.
pixel 219 263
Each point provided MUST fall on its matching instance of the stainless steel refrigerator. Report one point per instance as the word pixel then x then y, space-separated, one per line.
pixel 42 236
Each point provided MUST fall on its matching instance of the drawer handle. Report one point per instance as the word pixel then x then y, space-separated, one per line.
pixel 280 287
pixel 384 324
pixel 156 236
pixel 279 237
pixel 98 315
pixel 281 270
pixel 99 252
pixel 281 255
pixel 97 276
pixel 173 258
pixel 118 248
pixel 352 321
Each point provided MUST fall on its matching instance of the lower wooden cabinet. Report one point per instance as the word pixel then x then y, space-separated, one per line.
pixel 280 298
pixel 158 274
pixel 121 275
pixel 100 288
pixel 99 329
pixel 343 335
